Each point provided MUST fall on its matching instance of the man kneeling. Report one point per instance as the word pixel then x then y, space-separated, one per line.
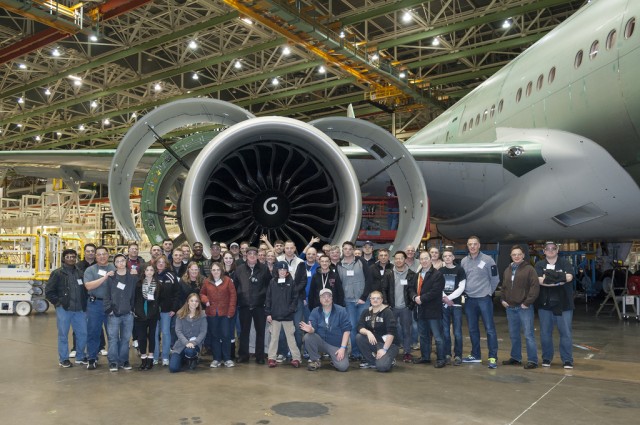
pixel 376 334
pixel 328 328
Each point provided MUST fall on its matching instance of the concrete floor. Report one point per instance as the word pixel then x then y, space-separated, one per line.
pixel 603 388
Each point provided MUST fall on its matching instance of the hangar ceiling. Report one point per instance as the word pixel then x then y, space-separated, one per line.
pixel 79 75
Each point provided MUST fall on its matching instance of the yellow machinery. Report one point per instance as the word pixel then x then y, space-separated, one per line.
pixel 25 264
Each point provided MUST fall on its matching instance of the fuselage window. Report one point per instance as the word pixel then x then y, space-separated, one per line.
pixel 578 60
pixel 628 29
pixel 540 81
pixel 529 88
pixel 552 75
pixel 611 39
pixel 500 105
pixel 470 123
pixel 464 127
pixel 477 119
pixel 593 52
pixel 519 95
pixel 484 116
pixel 493 110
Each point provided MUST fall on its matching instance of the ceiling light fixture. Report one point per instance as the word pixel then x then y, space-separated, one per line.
pixel 406 17
pixel 435 41
pixel 195 76
pixel 22 66
pixel 506 24
pixel 20 100
pixel 157 87
pixel 237 65
pixel 106 121
pixel 56 52
pixel 286 51
pixel 322 70
pixel 47 92
pixel 275 81
pixel 193 45
pixel 94 104
pixel 402 74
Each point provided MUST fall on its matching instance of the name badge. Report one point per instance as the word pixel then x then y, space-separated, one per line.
pixel 281 280
pixel 350 273
pixel 308 273
pixel 102 272
pixel 481 264
pixel 551 266
pixel 150 297
pixel 80 282
pixel 120 286
pixel 403 282
pixel 382 272
pixel 134 267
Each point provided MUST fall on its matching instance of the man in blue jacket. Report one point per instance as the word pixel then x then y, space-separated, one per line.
pixel 327 331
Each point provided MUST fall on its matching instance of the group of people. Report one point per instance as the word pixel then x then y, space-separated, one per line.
pixel 332 304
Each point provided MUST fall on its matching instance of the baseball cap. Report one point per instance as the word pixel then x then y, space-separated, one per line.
pixel 234 244
pixel 282 265
pixel 367 243
pixel 326 291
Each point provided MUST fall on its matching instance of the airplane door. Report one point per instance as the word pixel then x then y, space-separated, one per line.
pixel 454 124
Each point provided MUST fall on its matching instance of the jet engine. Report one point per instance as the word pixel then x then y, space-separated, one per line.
pixel 269 175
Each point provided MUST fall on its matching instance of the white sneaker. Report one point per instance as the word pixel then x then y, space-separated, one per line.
pixel 135 343
pixel 214 364
pixel 279 358
pixel 155 361
pixel 165 362
pixel 103 352
pixel 72 354
pixel 229 363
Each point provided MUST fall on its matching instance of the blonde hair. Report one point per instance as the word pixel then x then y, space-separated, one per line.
pixel 184 310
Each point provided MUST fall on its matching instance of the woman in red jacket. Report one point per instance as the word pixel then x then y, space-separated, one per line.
pixel 219 296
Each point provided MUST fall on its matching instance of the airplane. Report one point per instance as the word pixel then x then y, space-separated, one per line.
pixel 546 148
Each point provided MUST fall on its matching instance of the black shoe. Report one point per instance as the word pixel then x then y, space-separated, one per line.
pixel 82 360
pixel 143 364
pixel 531 365
pixel 92 365
pixel 149 363
pixel 113 367
pixel 260 360
pixel 242 360
pixel 567 365
pixel 65 363
pixel 440 364
pixel 422 361
pixel 193 363
pixel 126 366
pixel 512 362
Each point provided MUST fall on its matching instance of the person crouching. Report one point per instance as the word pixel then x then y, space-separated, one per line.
pixel 191 328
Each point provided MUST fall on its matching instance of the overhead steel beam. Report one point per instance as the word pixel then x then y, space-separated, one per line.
pixel 489 17
pixel 374 12
pixel 123 53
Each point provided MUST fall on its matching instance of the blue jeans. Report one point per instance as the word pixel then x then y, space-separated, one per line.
pixel 95 320
pixel 175 361
pixel 78 321
pixel 521 319
pixel 392 218
pixel 355 311
pixel 165 329
pixel 474 309
pixel 404 318
pixel 218 329
pixel 547 322
pixel 119 333
pixel 426 328
pixel 449 315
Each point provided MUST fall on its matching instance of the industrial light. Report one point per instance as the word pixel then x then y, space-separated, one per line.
pixel 342 34
pixel 435 41
pixel 322 69
pixel 22 66
pixel 77 83
pixel 237 65
pixel 134 115
pixel 195 76
pixel 58 133
pixel 106 121
pixel 157 87
pixel 506 24
pixel 402 75
pixel 19 125
pixel 38 138
pixel 375 57
pixel 275 81
pixel 47 92
pixel 286 51
pixel 81 127
pixel 20 100
pixel 56 52
pixel 93 38
pixel 247 21
pixel 406 17
pixel 193 45
pixel 94 104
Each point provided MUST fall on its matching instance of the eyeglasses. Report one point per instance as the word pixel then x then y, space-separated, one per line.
pixel 70 257
pixel 375 298
pixel 551 249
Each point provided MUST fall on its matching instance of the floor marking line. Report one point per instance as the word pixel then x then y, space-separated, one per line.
pixel 536 402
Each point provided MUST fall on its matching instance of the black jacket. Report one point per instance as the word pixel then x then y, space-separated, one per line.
pixel 121 292
pixel 282 299
pixel 382 282
pixel 412 277
pixel 153 306
pixel 333 282
pixel 380 324
pixel 252 287
pixel 430 295
pixel 63 289
pixel 170 290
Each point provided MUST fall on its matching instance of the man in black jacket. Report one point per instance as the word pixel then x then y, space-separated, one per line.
pixel 65 290
pixel 252 280
pixel 427 294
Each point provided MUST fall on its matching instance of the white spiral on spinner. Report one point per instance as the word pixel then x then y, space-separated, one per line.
pixel 273 205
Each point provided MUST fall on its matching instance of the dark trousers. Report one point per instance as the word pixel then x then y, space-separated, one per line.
pixel 259 322
pixel 218 330
pixel 145 330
